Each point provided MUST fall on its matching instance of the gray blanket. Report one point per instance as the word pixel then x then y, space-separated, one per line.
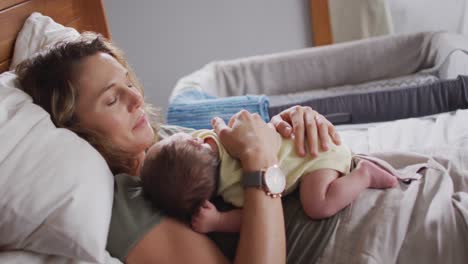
pixel 423 222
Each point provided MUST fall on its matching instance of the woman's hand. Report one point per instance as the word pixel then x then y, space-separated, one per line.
pixel 302 121
pixel 262 236
pixel 248 138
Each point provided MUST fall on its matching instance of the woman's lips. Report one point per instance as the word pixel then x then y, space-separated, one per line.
pixel 141 121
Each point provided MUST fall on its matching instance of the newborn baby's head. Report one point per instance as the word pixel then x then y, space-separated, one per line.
pixel 179 173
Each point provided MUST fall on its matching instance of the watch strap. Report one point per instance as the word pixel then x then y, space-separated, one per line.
pixel 253 179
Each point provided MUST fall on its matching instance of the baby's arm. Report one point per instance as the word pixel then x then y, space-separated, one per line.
pixel 209 219
pixel 324 193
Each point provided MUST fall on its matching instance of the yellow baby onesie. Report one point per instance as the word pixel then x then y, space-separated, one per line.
pixel 294 167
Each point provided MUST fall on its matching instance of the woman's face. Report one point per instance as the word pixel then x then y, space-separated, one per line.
pixel 109 103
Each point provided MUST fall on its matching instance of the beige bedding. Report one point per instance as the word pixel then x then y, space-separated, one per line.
pixel 423 222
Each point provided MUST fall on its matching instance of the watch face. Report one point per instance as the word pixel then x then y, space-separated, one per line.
pixel 275 180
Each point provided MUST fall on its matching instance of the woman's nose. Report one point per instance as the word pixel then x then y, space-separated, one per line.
pixel 136 100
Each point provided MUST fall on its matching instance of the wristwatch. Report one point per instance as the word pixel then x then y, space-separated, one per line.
pixel 271 180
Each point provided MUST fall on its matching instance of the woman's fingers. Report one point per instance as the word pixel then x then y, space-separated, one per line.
pixel 334 134
pixel 323 132
pixel 297 121
pixel 232 120
pixel 270 125
pixel 311 131
pixel 303 121
pixel 283 128
pixel 248 138
pixel 219 126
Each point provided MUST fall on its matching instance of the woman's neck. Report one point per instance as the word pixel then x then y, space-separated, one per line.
pixel 139 165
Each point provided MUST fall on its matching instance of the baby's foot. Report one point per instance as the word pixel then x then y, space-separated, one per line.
pixel 379 178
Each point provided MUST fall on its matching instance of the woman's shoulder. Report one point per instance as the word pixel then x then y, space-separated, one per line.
pixel 130 212
pixel 129 193
pixel 139 232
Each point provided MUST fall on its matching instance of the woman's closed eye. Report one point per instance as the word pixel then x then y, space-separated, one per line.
pixel 113 101
pixel 115 98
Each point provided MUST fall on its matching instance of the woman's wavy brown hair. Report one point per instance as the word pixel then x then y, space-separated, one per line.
pixel 48 76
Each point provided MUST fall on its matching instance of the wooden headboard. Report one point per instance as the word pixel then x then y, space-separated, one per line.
pixel 83 15
pixel 320 22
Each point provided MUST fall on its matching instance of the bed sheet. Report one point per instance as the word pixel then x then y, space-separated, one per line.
pixel 422 135
pixel 20 257
pixel 425 221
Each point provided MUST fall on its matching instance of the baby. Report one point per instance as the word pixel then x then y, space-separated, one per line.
pixel 182 172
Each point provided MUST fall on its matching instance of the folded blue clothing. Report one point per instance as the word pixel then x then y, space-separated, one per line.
pixel 195 109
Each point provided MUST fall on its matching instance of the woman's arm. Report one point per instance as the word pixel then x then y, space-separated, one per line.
pixel 173 242
pixel 256 145
pixel 230 221
pixel 262 235
pixel 303 122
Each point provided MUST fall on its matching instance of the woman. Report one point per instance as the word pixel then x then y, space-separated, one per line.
pixel 87 87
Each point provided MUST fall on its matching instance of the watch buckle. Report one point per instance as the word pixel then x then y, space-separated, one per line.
pixel 276 195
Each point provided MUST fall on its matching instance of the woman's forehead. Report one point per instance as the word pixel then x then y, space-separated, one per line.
pixel 97 72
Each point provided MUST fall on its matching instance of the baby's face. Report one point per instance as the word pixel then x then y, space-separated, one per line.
pixel 183 140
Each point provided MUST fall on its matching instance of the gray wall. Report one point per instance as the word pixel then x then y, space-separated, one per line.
pixel 168 39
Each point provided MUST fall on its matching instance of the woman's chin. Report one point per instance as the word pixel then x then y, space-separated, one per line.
pixel 144 136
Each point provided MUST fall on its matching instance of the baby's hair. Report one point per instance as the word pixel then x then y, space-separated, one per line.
pixel 179 177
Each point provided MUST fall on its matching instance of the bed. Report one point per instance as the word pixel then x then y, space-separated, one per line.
pixel 422 222
pixel 425 221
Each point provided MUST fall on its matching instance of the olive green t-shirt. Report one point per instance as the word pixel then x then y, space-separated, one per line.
pixel 133 217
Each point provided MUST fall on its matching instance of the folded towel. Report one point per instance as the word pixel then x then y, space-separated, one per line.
pixel 195 109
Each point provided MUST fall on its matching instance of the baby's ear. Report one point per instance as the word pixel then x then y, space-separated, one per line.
pixel 205 204
pixel 208 205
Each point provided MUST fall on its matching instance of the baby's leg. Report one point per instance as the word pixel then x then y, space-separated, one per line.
pixel 323 194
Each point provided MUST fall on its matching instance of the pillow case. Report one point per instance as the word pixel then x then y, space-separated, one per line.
pixel 56 190
pixel 37 33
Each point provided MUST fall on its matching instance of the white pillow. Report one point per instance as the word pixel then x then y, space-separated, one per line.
pixel 56 191
pixel 22 256
pixel 37 33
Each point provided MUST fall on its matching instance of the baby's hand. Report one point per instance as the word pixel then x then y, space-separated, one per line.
pixel 206 219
